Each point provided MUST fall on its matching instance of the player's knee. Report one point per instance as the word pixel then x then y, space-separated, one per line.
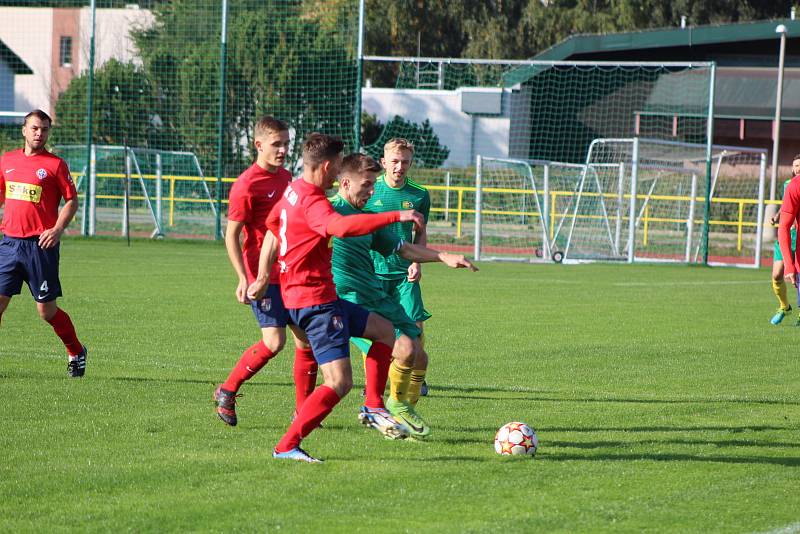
pixel 273 339
pixel 340 384
pixel 404 351
pixel 46 312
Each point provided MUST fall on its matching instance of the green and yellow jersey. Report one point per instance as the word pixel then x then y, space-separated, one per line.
pixel 409 196
pixel 352 264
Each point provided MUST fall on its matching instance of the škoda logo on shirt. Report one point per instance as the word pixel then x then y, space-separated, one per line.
pixel 23 191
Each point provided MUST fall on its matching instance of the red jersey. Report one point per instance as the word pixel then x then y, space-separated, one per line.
pixel 252 197
pixel 300 221
pixel 32 188
pixel 790 206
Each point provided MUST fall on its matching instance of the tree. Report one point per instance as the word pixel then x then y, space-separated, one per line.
pixel 428 151
pixel 283 59
pixel 124 109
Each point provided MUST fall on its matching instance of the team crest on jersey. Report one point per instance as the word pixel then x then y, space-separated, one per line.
pixel 337 322
pixel 41 173
pixel 266 304
pixel 407 204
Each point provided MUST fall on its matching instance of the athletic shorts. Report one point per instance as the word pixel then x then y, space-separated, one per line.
pixel 269 310
pixel 329 327
pixel 409 295
pixel 23 260
pixel 776 253
pixel 394 312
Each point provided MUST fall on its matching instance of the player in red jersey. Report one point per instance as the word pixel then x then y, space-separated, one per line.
pixel 301 226
pixel 251 198
pixel 32 183
pixel 790 216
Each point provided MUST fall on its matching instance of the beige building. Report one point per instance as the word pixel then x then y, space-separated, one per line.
pixel 54 44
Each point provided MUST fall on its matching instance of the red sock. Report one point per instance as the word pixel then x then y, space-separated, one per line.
pixel 379 358
pixel 253 359
pixel 63 327
pixel 316 407
pixel 305 375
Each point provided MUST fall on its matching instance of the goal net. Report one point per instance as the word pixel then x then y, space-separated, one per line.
pixel 646 200
pixel 142 191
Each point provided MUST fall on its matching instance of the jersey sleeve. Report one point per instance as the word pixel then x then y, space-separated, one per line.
pixel 239 205
pixel 425 206
pixel 319 212
pixel 385 242
pixel 65 183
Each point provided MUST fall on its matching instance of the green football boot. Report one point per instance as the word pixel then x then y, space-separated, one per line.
pixel 405 414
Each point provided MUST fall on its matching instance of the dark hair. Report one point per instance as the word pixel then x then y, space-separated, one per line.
pixel 268 124
pixel 39 114
pixel 320 148
pixel 796 157
pixel 358 163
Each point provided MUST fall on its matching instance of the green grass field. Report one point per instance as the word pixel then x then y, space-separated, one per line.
pixel 663 399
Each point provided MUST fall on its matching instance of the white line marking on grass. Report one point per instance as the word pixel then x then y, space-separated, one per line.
pixel 709 283
pixel 794 528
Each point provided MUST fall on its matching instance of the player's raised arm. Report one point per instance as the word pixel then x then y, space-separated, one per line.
pixel 269 252
pixel 420 254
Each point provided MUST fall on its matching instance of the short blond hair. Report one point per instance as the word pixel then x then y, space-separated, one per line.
pixel 398 143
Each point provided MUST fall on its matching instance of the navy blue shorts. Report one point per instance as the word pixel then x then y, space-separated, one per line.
pixel 329 327
pixel 23 260
pixel 269 310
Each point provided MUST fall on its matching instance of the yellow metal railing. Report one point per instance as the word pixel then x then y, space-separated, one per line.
pixel 460 211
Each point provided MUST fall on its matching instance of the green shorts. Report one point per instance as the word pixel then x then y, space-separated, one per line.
pixel 776 253
pixel 394 312
pixel 409 295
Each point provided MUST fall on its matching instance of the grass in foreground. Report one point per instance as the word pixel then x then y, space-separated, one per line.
pixel 663 399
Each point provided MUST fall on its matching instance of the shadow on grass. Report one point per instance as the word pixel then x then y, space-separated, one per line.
pixel 533 397
pixel 716 443
pixel 670 457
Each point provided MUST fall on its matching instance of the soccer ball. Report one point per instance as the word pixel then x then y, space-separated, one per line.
pixel 516 439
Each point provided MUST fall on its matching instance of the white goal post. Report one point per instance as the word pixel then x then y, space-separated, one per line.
pixel 632 200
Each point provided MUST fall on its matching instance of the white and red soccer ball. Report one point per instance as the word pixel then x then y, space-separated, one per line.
pixel 516 439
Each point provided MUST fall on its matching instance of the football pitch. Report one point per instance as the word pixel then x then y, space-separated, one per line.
pixel 662 397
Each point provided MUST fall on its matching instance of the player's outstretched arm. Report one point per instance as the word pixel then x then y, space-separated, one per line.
pixel 269 252
pixel 421 254
pixel 50 237
pixel 362 224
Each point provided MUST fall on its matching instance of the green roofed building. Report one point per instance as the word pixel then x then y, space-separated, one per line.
pixel 746 55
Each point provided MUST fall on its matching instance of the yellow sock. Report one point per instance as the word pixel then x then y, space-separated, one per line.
pixel 399 379
pixel 414 388
pixel 364 363
pixel 779 288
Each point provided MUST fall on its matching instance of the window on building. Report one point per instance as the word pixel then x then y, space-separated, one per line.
pixel 65 53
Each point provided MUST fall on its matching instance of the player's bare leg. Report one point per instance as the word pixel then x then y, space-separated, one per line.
pixel 65 330
pixel 4 302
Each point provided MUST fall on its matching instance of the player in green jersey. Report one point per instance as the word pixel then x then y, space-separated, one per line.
pixel 778 283
pixel 400 276
pixel 356 281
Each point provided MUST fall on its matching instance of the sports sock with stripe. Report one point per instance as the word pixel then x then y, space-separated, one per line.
pixel 64 329
pixel 399 380
pixel 253 359
pixel 316 407
pixel 415 387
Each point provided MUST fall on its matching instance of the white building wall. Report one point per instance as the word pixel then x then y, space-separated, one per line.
pixel 28 33
pixel 112 34
pixel 465 135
